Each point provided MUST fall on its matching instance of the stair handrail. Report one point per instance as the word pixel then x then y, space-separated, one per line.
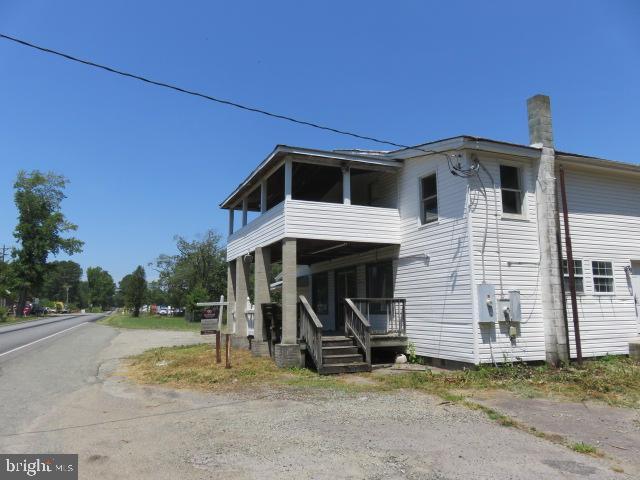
pixel 311 331
pixel 357 325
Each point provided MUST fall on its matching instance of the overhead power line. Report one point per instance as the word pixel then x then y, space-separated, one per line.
pixel 208 97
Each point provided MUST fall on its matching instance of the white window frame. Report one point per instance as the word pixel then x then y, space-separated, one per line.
pixel 523 197
pixel 612 277
pixel 422 200
pixel 575 275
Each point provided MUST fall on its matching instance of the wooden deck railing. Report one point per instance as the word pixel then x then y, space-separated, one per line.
pixel 391 310
pixel 356 325
pixel 310 331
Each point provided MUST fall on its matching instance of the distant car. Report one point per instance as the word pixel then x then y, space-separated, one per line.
pixel 163 311
pixel 26 310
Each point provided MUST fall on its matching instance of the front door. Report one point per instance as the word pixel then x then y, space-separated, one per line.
pixel 635 285
pixel 346 287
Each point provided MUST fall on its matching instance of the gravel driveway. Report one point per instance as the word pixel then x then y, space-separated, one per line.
pixel 123 430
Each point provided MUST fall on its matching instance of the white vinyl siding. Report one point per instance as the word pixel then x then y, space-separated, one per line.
pixel 317 220
pixel 264 230
pixel 432 270
pixel 336 221
pixel 520 254
pixel 604 217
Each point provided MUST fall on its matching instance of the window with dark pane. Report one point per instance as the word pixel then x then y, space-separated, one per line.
pixel 429 199
pixel 578 276
pixel 379 284
pixel 602 273
pixel 511 189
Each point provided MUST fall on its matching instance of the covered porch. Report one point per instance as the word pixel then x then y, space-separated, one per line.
pixel 335 297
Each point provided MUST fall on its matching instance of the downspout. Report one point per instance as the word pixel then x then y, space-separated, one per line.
pixel 563 290
pixel 572 280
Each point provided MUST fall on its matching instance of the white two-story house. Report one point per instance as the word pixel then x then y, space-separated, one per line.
pixel 456 248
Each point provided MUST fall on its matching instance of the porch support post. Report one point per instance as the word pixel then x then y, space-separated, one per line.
pixel 346 185
pixel 288 350
pixel 262 295
pixel 231 218
pixel 288 178
pixel 231 291
pixel 263 196
pixel 242 274
pixel 245 209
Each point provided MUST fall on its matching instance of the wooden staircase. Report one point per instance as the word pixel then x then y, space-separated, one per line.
pixel 340 355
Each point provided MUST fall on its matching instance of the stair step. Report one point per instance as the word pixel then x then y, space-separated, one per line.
pixel 349 358
pixel 335 368
pixel 340 350
pixel 337 342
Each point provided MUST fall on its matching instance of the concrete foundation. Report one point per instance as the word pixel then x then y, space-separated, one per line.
pixel 288 355
pixel 259 348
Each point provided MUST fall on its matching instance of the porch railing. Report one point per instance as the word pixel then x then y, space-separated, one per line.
pixel 356 325
pixel 310 331
pixel 387 316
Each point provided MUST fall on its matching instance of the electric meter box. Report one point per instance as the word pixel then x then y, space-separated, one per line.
pixel 487 307
pixel 514 305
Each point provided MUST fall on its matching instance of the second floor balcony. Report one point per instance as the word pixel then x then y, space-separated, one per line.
pixel 297 193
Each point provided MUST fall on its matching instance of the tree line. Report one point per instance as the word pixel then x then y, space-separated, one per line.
pixel 195 273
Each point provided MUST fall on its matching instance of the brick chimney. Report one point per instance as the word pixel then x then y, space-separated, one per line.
pixel 540 128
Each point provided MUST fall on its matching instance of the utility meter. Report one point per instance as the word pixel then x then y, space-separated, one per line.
pixel 487 308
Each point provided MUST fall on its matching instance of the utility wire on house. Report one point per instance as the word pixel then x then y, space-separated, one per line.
pixel 209 97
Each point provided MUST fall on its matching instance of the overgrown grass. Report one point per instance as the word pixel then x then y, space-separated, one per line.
pixel 149 322
pixel 585 448
pixel 613 380
pixel 194 366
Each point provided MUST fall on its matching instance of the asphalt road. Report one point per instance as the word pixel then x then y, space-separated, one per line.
pixel 41 361
pixel 18 338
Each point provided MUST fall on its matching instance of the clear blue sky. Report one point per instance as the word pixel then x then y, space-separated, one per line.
pixel 145 163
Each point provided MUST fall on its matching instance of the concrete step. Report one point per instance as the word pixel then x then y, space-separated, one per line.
pixel 335 368
pixel 340 350
pixel 337 342
pixel 349 358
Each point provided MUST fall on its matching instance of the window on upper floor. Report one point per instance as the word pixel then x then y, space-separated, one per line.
pixel 603 282
pixel 428 199
pixel 578 275
pixel 510 186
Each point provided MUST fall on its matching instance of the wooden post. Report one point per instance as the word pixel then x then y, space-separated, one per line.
pixel 227 351
pixel 218 352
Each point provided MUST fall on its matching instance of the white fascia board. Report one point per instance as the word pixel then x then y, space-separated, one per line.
pixel 466 143
pixel 610 166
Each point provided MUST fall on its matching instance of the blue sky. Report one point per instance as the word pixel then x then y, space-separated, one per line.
pixel 145 163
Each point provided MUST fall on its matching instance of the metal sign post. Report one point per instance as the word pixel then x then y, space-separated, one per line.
pixel 212 322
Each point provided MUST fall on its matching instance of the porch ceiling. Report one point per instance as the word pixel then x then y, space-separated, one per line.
pixel 314 251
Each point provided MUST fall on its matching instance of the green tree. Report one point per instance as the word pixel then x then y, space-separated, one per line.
pixel 60 275
pixel 200 264
pixel 40 230
pixel 134 289
pixel 101 287
pixel 156 294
